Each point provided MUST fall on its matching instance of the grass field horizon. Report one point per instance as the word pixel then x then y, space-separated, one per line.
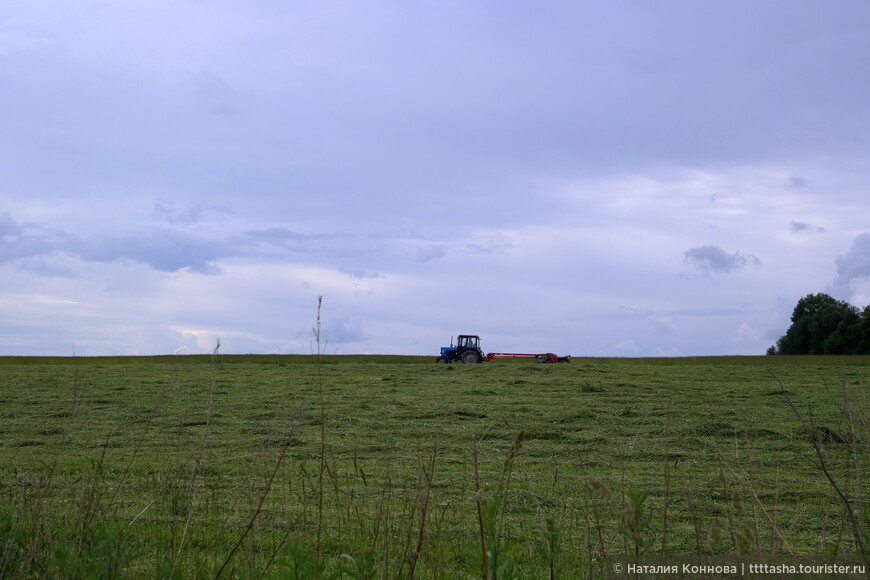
pixel 311 358
pixel 387 466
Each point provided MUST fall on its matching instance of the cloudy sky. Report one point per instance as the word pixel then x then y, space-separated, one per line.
pixel 625 178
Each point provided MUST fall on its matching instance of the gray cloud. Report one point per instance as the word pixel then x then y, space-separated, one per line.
pixel 184 214
pixel 798 182
pixel 164 249
pixel 715 259
pixel 208 84
pixel 665 317
pixel 8 227
pixel 166 209
pixel 281 241
pixel 360 274
pixel 798 227
pixel 172 248
pixel 853 265
pixel 430 253
pixel 26 240
pixel 213 90
pixel 45 268
pixel 285 237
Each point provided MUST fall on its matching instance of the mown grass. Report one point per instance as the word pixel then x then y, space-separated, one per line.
pixel 192 466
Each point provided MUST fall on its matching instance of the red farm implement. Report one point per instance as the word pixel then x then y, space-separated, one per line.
pixel 546 357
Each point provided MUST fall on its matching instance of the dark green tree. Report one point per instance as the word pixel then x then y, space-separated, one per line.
pixel 862 332
pixel 821 324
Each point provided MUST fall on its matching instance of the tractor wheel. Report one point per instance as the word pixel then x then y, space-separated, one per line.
pixel 441 360
pixel 470 357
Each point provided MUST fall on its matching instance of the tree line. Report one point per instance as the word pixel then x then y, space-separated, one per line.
pixel 821 324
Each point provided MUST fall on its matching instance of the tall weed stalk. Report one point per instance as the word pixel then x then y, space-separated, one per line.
pixel 847 504
pixel 491 511
pixel 323 466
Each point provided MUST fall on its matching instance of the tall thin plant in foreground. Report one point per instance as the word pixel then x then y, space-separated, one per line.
pixel 322 470
pixel 856 532
pixel 424 484
pixel 257 511
pixel 595 489
pixel 198 468
pixel 38 537
pixel 478 495
pixel 490 512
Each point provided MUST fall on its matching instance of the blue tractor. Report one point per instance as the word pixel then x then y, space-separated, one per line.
pixel 467 350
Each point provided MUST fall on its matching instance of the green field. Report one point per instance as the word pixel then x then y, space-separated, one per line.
pixel 388 467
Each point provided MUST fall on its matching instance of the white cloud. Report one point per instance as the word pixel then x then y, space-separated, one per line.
pixel 667 352
pixel 342 330
pixel 625 348
pixel 852 267
pixel 746 333
pixel 664 325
